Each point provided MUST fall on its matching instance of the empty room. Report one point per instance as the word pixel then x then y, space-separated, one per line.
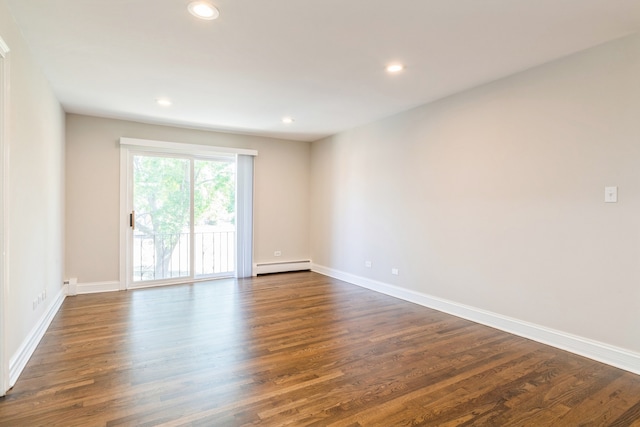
pixel 320 213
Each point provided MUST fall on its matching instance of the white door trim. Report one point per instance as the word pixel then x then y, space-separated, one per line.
pixel 125 209
pixel 4 229
pixel 182 148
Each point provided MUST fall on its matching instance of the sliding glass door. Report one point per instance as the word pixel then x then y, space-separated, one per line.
pixel 183 218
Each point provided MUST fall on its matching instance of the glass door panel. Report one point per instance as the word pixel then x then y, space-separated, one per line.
pixel 162 207
pixel 214 217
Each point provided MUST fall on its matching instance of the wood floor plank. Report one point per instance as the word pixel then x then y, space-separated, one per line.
pixel 299 350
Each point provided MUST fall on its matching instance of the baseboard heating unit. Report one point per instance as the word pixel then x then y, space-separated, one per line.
pixel 281 267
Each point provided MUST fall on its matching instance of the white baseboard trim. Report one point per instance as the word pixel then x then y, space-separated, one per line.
pixel 97 287
pixel 19 360
pixel 601 352
pixel 281 267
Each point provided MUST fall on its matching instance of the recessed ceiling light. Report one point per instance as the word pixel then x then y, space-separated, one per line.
pixel 287 120
pixel 163 102
pixel 395 68
pixel 203 10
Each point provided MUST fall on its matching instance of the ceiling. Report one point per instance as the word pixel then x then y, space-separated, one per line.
pixel 319 61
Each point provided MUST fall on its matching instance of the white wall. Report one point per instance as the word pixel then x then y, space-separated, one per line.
pixel 35 197
pixel 494 198
pixel 281 219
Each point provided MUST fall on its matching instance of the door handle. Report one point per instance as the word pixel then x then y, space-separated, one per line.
pixel 132 220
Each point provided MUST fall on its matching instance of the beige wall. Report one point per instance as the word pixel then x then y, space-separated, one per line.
pixel 281 218
pixel 35 196
pixel 494 198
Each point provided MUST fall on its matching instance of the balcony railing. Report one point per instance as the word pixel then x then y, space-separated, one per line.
pixel 166 256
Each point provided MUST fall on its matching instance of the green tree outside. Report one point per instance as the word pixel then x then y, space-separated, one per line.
pixel 162 203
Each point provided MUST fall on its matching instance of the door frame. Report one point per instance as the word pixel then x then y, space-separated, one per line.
pixel 132 146
pixel 4 229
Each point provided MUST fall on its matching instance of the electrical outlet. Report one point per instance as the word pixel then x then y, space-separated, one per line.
pixel 395 271
pixel 277 253
pixel 367 264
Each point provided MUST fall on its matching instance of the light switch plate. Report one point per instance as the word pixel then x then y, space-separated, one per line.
pixel 610 194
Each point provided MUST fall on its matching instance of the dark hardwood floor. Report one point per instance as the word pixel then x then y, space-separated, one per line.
pixel 300 349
